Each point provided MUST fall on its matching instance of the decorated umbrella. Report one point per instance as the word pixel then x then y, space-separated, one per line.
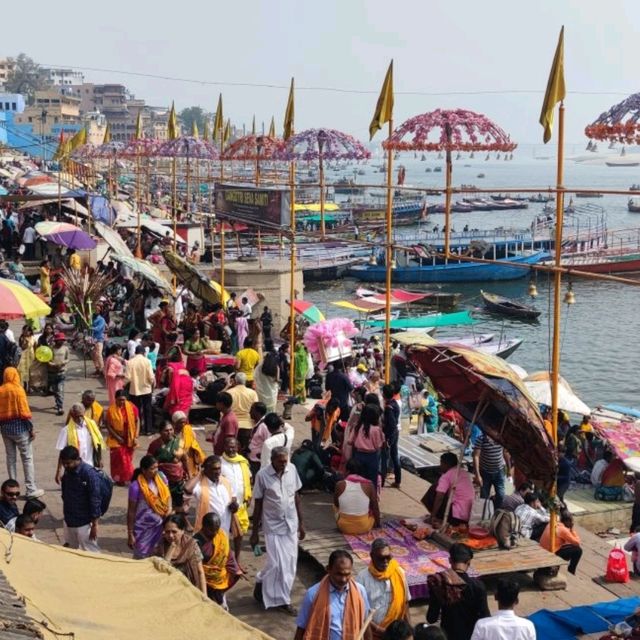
pixel 191 278
pixel 330 340
pixel 538 385
pixel 17 301
pixel 255 148
pixel 619 124
pixel 487 392
pixel 65 234
pixel 109 151
pixel 144 270
pixel 308 310
pixel 318 145
pixel 449 130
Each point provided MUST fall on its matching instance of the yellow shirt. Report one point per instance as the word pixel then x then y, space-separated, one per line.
pixel 247 361
pixel 243 398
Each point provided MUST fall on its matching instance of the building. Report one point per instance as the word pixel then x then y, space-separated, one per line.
pixel 6 67
pixel 63 77
pixel 50 112
pixel 12 103
pixel 96 124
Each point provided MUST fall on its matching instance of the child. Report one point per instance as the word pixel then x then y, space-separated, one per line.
pixel 633 545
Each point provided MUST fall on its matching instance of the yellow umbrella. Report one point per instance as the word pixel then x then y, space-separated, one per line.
pixel 225 297
pixel 16 301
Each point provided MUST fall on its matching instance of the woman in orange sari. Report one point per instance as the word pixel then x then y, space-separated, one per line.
pixel 194 455
pixel 123 425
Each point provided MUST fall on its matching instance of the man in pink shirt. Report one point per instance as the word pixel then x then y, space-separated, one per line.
pixel 228 425
pixel 458 481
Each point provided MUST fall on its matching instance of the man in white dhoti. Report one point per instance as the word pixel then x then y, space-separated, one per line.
pixel 277 509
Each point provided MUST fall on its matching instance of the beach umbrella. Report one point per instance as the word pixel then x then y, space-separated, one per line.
pixel 318 145
pixel 539 387
pixel 449 130
pixel 17 301
pixel 621 123
pixel 488 393
pixel 308 310
pixel 65 234
pixel 144 270
pixel 191 278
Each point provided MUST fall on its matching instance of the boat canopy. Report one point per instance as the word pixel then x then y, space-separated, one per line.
pixel 397 295
pixel 359 305
pixel 433 320
pixel 329 219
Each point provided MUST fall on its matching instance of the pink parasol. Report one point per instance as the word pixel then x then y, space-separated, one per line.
pixel 188 147
pixel 140 148
pixel 328 144
pixel 108 150
pixel 619 123
pixel 254 147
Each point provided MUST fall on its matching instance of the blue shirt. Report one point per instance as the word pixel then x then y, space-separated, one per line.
pixel 81 497
pixel 337 602
pixel 8 511
pixel 98 326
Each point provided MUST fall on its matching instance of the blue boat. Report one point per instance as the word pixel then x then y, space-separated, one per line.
pixel 452 271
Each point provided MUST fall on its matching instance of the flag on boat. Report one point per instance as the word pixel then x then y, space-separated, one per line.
pixel 384 107
pixel 218 123
pixel 556 91
pixel 289 115
pixel 172 124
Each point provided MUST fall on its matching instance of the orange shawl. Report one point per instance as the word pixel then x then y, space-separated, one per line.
pixel 160 503
pixel 203 507
pixel 320 618
pixel 116 421
pixel 13 399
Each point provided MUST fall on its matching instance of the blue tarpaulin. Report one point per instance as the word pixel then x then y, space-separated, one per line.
pixel 101 210
pixel 567 624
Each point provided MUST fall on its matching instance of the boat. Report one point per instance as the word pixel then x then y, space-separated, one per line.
pixel 348 188
pixel 588 194
pixel 437 169
pixel 404 213
pixel 481 175
pixel 634 187
pixel 437 299
pixel 622 163
pixel 508 307
pixel 633 205
pixel 422 322
pixel 510 268
pixel 605 261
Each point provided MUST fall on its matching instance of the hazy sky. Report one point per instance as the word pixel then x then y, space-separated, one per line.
pixel 439 47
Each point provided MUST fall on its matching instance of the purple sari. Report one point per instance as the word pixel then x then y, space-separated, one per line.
pixel 147 527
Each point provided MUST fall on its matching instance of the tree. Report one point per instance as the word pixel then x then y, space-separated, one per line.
pixel 189 115
pixel 26 78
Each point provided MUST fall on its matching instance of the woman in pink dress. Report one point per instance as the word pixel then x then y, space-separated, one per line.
pixel 180 396
pixel 114 372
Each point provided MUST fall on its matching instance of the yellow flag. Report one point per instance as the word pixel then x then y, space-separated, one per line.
pixel 80 138
pixel 384 107
pixel 253 126
pixel 194 129
pixel 556 91
pixel 272 128
pixel 139 134
pixel 218 123
pixel 107 134
pixel 60 149
pixel 207 131
pixel 227 131
pixel 289 115
pixel 172 123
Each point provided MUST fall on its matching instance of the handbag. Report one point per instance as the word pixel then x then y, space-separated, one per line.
pixel 617 569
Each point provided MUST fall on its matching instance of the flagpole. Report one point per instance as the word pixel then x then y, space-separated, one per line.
pixel 447 204
pixel 557 283
pixel 389 262
pixel 292 288
pixel 221 221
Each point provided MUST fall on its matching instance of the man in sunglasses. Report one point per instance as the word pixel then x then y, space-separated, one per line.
pixel 8 501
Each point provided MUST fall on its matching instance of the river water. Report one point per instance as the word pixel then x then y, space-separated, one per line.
pixel 600 354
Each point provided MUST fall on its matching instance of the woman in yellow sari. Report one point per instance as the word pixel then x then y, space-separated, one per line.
pixel 123 426
pixel 188 443
pixel 45 279
pixel 221 571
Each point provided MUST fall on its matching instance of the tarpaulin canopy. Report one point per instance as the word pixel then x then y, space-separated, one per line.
pixel 92 596
pixel 397 295
pixel 360 305
pixel 484 389
pixel 432 320
pixel 539 386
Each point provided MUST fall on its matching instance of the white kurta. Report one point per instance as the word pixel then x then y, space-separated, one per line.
pixel 85 444
pixel 219 500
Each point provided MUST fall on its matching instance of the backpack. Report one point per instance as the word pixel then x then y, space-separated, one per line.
pixel 504 526
pixel 106 490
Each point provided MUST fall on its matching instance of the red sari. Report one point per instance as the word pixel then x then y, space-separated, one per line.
pixel 123 422
pixel 180 396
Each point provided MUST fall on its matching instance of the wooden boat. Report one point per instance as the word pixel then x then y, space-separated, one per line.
pixel 452 271
pixel 508 307
pixel 588 194
pixel 404 213
pixel 633 205
pixel 603 262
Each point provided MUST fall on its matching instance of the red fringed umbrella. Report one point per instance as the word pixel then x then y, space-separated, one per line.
pixel 619 124
pixel 254 147
pixel 449 130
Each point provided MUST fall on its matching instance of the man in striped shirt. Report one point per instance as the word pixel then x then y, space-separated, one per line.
pixel 490 463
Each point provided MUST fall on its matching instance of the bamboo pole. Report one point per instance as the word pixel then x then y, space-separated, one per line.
pixel 138 206
pixel 321 176
pixel 447 202
pixel 292 284
pixel 388 263
pixel 557 292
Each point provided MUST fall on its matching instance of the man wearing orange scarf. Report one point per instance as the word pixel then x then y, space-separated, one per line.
pixel 335 608
pixel 386 586
pixel 123 426
pixel 17 429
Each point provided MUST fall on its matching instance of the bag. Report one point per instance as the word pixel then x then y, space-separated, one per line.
pixel 505 527
pixel 447 586
pixel 617 569
pixel 106 490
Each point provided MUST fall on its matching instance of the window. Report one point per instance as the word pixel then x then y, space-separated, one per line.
pixel 0 106
pixel 13 106
pixel 30 119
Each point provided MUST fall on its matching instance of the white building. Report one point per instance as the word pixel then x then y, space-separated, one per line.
pixel 64 77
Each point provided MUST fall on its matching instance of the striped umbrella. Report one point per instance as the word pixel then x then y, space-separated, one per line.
pixel 16 301
pixel 308 310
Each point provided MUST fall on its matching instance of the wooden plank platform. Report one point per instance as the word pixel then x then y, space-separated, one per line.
pixel 319 543
pixel 417 449
pixel 597 515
